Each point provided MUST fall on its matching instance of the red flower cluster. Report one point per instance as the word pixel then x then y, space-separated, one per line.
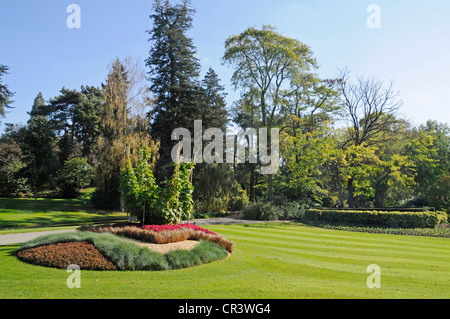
pixel 159 228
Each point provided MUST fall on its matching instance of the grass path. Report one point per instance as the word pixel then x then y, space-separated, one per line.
pixel 270 261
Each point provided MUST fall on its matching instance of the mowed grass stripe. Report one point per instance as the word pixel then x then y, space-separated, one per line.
pixel 300 260
pixel 343 250
pixel 395 256
pixel 396 270
pixel 305 231
pixel 348 281
pixel 347 262
pixel 349 242
pixel 417 258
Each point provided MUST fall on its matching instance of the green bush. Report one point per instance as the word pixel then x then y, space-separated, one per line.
pixel 75 175
pixel 271 211
pixel 238 199
pixel 261 211
pixel 377 218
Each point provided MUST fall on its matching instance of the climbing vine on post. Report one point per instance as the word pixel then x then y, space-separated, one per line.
pixel 140 191
pixel 150 203
pixel 178 194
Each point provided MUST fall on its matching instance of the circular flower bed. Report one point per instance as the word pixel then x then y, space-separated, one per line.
pixel 126 247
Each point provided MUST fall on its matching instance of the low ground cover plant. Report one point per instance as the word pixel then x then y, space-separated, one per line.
pixel 428 232
pixel 61 255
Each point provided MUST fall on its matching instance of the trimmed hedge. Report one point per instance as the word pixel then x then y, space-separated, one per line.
pixel 386 209
pixel 377 218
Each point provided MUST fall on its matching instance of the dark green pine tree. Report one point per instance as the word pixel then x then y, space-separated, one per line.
pixel 39 157
pixel 60 111
pixel 213 183
pixel 61 115
pixel 213 112
pixel 39 106
pixel 86 119
pixel 174 72
pixel 5 93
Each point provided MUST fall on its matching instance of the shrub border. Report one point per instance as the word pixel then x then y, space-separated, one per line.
pixel 378 218
pixel 423 232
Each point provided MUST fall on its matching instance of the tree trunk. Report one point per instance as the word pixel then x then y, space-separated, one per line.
pixel 143 217
pixel 270 187
pixel 351 196
pixel 252 186
pixel 122 207
pixel 379 197
pixel 341 197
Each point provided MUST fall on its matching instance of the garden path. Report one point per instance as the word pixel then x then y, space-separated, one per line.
pixel 10 239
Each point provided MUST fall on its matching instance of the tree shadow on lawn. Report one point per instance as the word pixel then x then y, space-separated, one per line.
pixel 45 205
pixel 22 213
pixel 9 250
pixel 64 219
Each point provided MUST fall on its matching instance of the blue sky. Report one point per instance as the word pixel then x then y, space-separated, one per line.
pixel 412 47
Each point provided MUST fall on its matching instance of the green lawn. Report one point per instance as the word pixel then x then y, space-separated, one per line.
pixel 270 261
pixel 49 212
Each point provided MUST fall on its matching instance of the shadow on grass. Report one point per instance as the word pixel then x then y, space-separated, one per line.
pixel 9 250
pixel 20 213
pixel 45 205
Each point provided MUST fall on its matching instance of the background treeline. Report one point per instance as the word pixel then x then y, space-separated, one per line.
pixel 343 142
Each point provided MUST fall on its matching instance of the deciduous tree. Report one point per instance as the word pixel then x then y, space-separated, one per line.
pixel 267 62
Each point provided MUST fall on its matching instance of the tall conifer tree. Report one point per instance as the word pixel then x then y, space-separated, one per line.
pixel 174 72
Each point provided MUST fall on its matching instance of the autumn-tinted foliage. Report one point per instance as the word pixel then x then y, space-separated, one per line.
pixel 61 255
